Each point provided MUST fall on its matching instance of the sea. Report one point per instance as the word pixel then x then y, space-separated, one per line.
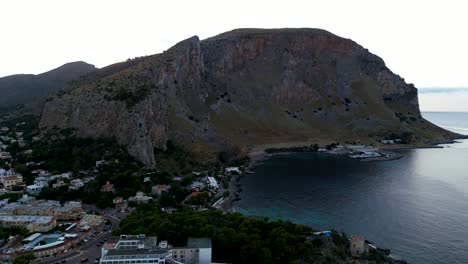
pixel 416 206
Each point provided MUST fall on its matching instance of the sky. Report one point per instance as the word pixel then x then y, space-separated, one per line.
pixel 425 42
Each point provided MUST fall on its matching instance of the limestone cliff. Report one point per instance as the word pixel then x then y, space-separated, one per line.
pixel 242 89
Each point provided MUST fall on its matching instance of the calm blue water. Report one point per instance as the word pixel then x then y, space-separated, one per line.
pixel 416 206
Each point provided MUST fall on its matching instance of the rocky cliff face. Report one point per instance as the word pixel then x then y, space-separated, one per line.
pixel 241 89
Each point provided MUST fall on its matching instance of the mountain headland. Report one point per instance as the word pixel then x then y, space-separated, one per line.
pixel 242 90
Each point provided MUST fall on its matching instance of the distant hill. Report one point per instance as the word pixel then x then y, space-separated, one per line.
pixel 244 90
pixel 23 89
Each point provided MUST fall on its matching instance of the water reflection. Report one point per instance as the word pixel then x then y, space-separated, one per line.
pixel 417 206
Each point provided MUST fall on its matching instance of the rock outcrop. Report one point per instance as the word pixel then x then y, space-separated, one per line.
pixel 242 89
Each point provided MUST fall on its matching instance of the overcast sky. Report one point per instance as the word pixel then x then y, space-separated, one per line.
pixel 425 42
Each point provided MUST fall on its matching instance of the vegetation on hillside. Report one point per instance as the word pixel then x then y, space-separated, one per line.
pixel 235 238
pixel 240 239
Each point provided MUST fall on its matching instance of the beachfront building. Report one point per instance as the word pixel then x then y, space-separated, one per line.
pixel 135 249
pixel 358 246
pixel 197 251
pixel 33 223
pixel 143 249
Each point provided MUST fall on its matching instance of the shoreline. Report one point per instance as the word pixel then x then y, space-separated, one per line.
pixel 259 154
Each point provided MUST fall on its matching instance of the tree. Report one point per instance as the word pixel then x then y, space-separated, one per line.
pixel 24 259
pixel 235 238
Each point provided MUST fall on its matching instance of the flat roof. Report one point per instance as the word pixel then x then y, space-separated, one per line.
pixel 125 252
pixel 32 237
pixel 203 242
pixel 26 218
pixel 48 245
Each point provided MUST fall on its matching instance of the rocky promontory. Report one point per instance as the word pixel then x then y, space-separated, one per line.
pixel 243 89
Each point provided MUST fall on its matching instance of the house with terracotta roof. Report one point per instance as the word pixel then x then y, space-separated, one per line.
pixel 160 188
pixel 10 181
pixel 108 187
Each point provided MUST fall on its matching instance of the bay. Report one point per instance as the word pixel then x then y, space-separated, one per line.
pixel 416 206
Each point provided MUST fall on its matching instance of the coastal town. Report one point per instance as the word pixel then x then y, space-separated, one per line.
pixel 55 215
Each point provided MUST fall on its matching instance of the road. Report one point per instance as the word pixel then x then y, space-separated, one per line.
pixel 90 249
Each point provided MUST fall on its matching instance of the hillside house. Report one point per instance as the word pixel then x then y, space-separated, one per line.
pixel 159 189
pixel 5 155
pixel 59 183
pixel 9 172
pixel 42 181
pixel 10 181
pixel 76 184
pixel 34 189
pixel 140 197
pixel 108 187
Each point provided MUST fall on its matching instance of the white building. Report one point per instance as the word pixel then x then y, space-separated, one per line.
pixel 100 162
pixel 76 184
pixel 9 172
pixel 212 183
pixel 140 197
pixel 134 249
pixel 28 152
pixel 65 175
pixel 42 181
pixel 34 189
pixel 40 172
pixel 197 251
pixel 142 249
pixel 233 169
